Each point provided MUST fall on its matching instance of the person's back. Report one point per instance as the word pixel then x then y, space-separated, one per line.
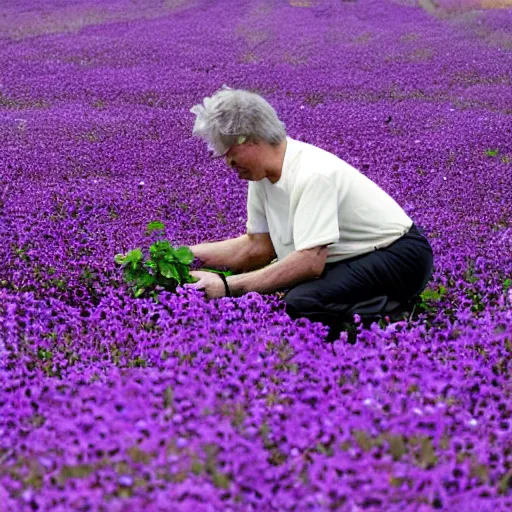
pixel 316 182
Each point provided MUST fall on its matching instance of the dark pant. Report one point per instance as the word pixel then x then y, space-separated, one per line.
pixel 399 271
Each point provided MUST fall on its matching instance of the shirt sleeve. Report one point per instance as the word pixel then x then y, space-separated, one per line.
pixel 315 221
pixel 256 218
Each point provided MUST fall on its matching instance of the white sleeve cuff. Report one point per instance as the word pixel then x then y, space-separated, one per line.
pixel 317 243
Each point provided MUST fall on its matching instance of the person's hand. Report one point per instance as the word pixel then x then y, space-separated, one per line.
pixel 209 282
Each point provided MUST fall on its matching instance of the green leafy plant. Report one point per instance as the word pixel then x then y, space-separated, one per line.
pixel 492 152
pixel 429 298
pixel 217 271
pixel 166 268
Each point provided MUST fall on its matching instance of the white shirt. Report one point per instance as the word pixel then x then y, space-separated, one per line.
pixel 321 200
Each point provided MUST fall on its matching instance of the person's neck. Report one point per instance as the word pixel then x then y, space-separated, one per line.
pixel 274 164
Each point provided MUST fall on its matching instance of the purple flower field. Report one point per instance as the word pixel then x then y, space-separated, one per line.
pixel 111 403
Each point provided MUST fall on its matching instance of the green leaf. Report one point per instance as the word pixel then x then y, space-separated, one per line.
pixel 397 446
pixel 434 295
pixel 492 152
pixel 505 483
pixel 139 362
pixel 155 225
pixel 138 292
pixel 184 255
pixel 168 397
pixel 160 247
pixel 77 471
pixel 133 256
pixel 220 480
pixel 197 468
pixel 139 456
pixel 168 255
pixel 184 273
pixel 130 275
pixel 427 457
pixel 168 270
pixel 215 271
pixel 119 258
pixel 364 440
pixel 44 354
pixel 145 280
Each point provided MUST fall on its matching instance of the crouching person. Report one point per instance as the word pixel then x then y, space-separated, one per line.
pixel 338 237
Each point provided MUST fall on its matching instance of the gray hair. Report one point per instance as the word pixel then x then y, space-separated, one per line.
pixel 231 113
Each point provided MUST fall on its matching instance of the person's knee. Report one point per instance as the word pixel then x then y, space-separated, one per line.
pixel 292 306
pixel 298 305
pixel 428 268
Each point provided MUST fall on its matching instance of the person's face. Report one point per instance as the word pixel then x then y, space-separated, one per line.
pixel 245 160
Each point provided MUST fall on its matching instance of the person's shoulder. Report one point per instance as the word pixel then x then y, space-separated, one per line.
pixel 309 151
pixel 318 162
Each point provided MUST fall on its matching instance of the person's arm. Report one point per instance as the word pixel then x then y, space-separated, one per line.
pixel 242 254
pixel 297 267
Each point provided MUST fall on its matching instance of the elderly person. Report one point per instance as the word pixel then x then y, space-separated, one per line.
pixel 338 237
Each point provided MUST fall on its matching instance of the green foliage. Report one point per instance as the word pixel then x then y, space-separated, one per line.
pixel 77 471
pixel 166 267
pixel 156 225
pixel 216 271
pixel 492 152
pixel 44 355
pixel 138 362
pixel 431 296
